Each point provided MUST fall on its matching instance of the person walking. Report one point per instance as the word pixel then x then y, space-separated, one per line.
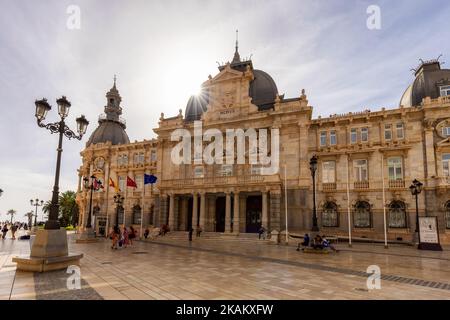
pixel 4 231
pixel 199 231
pixel 13 231
pixel 132 235
pixel 126 239
pixel 115 236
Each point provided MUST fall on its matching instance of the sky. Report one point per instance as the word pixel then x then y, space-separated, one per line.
pixel 162 50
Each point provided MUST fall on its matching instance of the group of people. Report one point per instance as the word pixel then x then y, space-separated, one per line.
pixel 122 238
pixel 5 227
pixel 318 242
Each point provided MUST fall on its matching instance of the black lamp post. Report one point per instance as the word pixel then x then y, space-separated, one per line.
pixel 416 189
pixel 42 108
pixel 118 200
pixel 95 185
pixel 313 168
pixel 36 204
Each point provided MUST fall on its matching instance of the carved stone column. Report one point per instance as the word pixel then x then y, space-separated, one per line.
pixel 194 210
pixel 202 210
pixel 265 214
pixel 236 218
pixel 228 212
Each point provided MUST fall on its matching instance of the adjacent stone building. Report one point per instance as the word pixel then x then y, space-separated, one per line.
pixel 367 161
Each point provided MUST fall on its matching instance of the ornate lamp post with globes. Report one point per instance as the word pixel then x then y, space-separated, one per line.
pixel 51 242
pixel 313 168
pixel 88 235
pixel 118 200
pixel 416 189
pixel 36 204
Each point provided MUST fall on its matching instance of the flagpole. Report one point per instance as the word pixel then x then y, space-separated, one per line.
pixel 348 207
pixel 106 209
pixel 143 205
pixel 384 203
pixel 285 204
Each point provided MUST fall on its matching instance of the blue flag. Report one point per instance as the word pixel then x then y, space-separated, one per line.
pixel 149 179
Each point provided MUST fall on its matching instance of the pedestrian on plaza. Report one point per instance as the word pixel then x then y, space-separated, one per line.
pixel 146 233
pixel 115 236
pixel 4 231
pixel 261 232
pixel 199 231
pixel 326 244
pixel 13 231
pixel 191 231
pixel 131 235
pixel 126 239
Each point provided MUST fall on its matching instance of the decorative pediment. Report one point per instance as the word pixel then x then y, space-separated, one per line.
pixel 226 74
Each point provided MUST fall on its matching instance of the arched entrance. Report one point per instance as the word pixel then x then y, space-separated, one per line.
pixel 254 213
pixel 220 214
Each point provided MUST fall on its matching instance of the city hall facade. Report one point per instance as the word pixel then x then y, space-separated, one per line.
pixel 366 162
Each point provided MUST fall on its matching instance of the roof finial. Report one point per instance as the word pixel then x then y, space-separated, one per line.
pixel 237 40
pixel 115 78
pixel 236 58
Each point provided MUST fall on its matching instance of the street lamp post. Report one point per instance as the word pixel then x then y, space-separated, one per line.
pixel 42 107
pixel 118 200
pixel 416 189
pixel 313 168
pixel 36 204
pixel 94 186
pixel 52 240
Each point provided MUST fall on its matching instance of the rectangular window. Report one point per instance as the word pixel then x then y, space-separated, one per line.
pixel 400 131
pixel 353 135
pixel 122 183
pixel 387 132
pixel 395 168
pixel 323 138
pixel 141 157
pixel 446 131
pixel 333 138
pixel 227 170
pixel 445 91
pixel 360 167
pixel 364 134
pixel 446 164
pixel 329 172
pixel 153 155
pixel 198 172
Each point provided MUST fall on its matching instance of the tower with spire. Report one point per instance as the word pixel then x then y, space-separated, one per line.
pixel 111 126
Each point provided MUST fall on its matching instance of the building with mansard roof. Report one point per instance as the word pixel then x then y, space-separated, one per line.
pixel 366 162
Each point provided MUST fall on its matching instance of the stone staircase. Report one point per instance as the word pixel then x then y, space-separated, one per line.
pixel 210 236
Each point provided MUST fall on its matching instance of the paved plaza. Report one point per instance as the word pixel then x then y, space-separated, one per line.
pixel 230 269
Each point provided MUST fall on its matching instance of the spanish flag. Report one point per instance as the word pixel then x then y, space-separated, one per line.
pixel 112 184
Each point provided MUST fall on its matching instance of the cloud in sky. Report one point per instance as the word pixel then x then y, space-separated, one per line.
pixel 163 50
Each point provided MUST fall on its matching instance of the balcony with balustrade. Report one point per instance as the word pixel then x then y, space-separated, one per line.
pixel 361 185
pixel 397 184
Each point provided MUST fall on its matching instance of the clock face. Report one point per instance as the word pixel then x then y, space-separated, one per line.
pixel 99 163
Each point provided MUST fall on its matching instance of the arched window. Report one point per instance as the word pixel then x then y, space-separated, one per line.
pixel 362 217
pixel 137 215
pixel 397 214
pixel 330 215
pixel 447 215
pixel 120 212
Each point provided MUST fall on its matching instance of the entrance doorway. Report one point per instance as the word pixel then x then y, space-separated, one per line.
pixel 253 215
pixel 220 215
pixel 189 214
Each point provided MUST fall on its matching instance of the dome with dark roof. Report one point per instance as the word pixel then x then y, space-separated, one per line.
pixel 263 90
pixel 109 131
pixel 111 126
pixel 429 77
pixel 196 106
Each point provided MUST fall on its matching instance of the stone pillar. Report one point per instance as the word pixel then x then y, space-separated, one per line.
pixel 236 218
pixel 182 221
pixel 275 201
pixel 228 213
pixel 172 212
pixel 202 210
pixel 265 214
pixel 194 210
pixel 163 210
